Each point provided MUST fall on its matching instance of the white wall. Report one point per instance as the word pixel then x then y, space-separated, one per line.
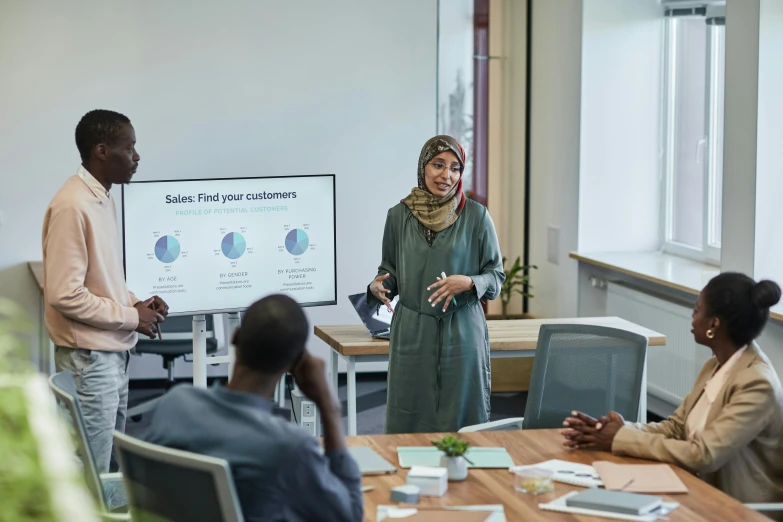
pixel 739 136
pixel 619 172
pixel 215 89
pixel 556 49
pixel 769 178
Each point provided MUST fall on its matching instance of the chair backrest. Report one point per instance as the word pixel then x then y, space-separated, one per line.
pixel 588 368
pixel 173 485
pixel 63 387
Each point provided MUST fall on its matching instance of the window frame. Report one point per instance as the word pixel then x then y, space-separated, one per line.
pixel 708 251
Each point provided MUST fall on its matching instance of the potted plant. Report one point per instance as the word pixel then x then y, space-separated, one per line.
pixel 453 458
pixel 517 278
pixel 39 477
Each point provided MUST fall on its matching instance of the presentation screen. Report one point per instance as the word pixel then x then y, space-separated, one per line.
pixel 218 245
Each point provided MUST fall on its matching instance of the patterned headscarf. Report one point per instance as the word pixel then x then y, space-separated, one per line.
pixel 435 214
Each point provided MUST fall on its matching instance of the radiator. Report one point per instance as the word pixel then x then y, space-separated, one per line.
pixel 671 369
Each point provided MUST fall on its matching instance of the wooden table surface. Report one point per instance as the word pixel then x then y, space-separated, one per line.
pixel 702 503
pixel 519 334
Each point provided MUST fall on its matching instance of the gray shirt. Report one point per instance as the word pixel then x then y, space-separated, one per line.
pixel 278 468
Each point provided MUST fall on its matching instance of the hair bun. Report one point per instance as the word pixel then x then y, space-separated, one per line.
pixel 765 294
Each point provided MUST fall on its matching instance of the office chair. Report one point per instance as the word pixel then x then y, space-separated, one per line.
pixel 106 488
pixel 174 485
pixel 177 333
pixel 588 368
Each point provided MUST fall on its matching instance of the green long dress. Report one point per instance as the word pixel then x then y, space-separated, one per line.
pixel 439 371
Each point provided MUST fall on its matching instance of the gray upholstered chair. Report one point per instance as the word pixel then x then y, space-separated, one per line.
pixel 174 485
pixel 588 368
pixel 177 333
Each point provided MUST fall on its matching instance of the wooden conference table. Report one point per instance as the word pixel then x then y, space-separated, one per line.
pixel 702 503
pixel 507 338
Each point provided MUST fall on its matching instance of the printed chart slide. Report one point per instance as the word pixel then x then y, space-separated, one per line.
pixel 210 246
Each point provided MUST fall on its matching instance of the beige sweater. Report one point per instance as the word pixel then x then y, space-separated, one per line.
pixel 87 302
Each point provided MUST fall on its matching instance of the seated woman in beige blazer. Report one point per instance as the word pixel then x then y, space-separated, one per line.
pixel 729 429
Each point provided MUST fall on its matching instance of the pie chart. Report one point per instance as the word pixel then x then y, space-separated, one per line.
pixel 296 242
pixel 167 249
pixel 233 245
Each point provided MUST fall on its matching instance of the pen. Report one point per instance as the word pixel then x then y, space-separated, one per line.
pixel 453 299
pixel 157 325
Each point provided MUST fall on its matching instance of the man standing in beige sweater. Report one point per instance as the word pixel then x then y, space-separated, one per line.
pixel 91 315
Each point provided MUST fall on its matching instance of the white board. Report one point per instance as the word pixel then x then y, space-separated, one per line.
pixel 218 245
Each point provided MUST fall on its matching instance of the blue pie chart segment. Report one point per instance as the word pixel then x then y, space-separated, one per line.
pixel 296 242
pixel 167 249
pixel 233 245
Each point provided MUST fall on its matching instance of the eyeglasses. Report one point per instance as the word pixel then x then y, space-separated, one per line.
pixel 439 166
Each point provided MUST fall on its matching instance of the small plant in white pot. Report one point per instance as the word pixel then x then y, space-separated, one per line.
pixel 453 458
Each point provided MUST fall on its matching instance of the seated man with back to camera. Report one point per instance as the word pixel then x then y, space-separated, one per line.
pixel 278 468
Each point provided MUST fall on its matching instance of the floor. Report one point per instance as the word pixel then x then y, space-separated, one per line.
pixel 370 403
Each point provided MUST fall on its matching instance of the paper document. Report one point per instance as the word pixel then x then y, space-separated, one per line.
pixel 639 478
pixel 488 513
pixel 566 472
pixel 487 458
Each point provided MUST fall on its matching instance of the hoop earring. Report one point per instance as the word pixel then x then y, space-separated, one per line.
pixel 710 334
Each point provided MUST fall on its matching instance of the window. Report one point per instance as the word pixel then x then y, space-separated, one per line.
pixel 463 96
pixel 693 133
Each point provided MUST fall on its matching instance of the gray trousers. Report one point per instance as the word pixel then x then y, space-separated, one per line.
pixel 102 389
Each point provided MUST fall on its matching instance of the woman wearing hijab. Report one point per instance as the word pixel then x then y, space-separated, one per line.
pixel 439 372
pixel 729 429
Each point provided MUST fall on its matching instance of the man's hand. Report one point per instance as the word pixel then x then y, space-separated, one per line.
pixel 148 318
pixel 585 432
pixel 310 376
pixel 160 306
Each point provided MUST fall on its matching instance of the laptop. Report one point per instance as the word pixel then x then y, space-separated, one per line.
pixel 369 462
pixel 378 322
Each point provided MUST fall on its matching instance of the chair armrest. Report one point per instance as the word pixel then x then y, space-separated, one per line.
pixel 778 506
pixel 498 425
pixel 111 477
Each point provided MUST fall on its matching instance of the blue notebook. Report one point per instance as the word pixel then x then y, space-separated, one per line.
pixel 488 458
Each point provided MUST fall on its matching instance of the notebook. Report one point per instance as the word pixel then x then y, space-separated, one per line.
pixel 568 473
pixel 615 501
pixel 559 505
pixel 639 478
pixel 488 513
pixel 487 458
pixel 369 462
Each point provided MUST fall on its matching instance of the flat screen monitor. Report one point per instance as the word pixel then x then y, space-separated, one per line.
pixel 218 245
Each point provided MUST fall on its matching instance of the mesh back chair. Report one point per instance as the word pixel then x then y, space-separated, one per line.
pixel 588 368
pixel 106 488
pixel 177 333
pixel 175 486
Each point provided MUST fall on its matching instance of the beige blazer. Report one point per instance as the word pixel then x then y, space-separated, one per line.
pixel 740 450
